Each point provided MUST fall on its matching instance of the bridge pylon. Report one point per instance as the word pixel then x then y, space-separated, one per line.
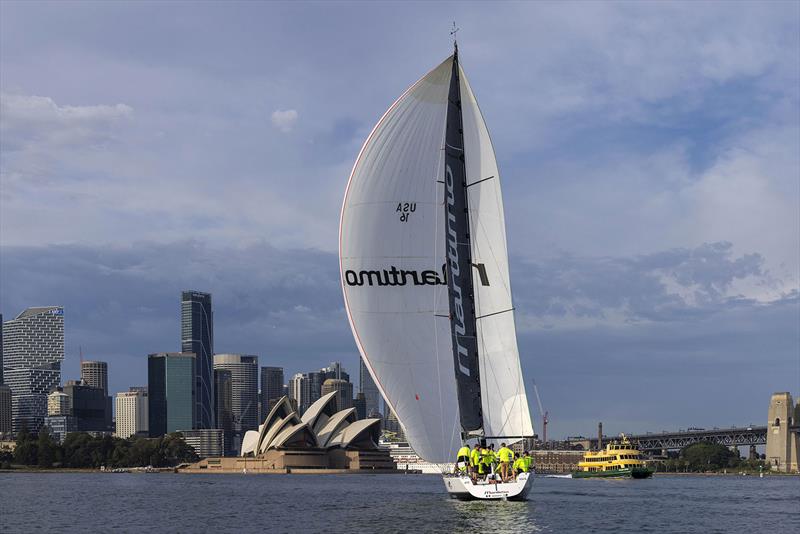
pixel 783 443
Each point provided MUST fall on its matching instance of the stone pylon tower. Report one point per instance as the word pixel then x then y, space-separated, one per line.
pixel 782 443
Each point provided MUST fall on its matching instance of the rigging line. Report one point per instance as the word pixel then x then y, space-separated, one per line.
pixel 495 313
pixel 439 171
pixel 479 181
pixel 448 145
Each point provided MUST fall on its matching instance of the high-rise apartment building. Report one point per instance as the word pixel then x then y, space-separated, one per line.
pixel 366 385
pixel 344 392
pixel 392 424
pixel 223 397
pixel 244 391
pixel 33 349
pixel 171 394
pixel 271 388
pixel 297 391
pixel 197 337
pixel 132 414
pixel 305 389
pixel 58 403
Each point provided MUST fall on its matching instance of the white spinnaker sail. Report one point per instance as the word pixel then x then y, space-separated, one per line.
pixel 392 217
pixel 505 404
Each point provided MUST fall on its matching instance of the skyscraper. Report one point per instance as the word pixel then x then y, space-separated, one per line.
pixel 392 424
pixel 33 349
pixel 244 391
pixel 5 392
pixel 367 386
pixel 1 348
pixel 360 404
pixel 305 389
pixel 223 397
pixel 95 374
pixel 197 337
pixel 5 410
pixel 344 392
pixel 334 370
pixel 88 405
pixel 132 413
pixel 298 391
pixel 171 396
pixel 271 388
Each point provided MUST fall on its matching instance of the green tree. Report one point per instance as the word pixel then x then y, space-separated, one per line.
pixel 26 449
pixel 78 450
pixel 707 456
pixel 47 449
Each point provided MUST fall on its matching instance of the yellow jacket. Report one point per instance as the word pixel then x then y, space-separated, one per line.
pixel 475 457
pixel 506 454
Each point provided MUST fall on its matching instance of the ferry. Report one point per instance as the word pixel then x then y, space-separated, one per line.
pixel 408 460
pixel 619 459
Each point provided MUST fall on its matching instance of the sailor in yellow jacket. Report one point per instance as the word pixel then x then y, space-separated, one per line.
pixel 462 460
pixel 485 467
pixel 475 461
pixel 506 460
pixel 522 464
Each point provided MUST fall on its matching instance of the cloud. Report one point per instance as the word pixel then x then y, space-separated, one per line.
pixel 284 119
pixel 29 119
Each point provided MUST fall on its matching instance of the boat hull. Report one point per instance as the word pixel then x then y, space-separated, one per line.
pixel 635 472
pixel 462 488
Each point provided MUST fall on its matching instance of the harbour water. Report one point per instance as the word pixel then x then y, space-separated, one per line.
pixel 91 502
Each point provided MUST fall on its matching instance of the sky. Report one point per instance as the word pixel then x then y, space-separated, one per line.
pixel 649 154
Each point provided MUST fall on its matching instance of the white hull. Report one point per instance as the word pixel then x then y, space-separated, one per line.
pixel 461 487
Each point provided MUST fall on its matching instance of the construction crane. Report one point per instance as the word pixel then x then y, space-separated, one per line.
pixel 543 413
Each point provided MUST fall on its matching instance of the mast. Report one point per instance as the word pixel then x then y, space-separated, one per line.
pixel 460 288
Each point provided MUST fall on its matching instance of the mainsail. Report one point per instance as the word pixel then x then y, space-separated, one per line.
pixel 396 269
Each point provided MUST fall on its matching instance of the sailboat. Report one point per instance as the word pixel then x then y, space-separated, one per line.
pixel 424 270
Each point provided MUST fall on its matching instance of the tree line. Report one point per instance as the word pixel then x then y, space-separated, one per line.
pixel 81 450
pixel 707 456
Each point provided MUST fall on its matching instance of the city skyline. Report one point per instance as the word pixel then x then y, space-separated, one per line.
pixel 648 159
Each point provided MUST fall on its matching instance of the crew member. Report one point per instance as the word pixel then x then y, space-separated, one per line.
pixel 475 461
pixel 494 458
pixel 519 466
pixel 462 459
pixel 528 461
pixel 486 462
pixel 506 458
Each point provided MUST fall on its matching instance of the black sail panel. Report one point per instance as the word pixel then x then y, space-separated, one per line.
pixel 459 262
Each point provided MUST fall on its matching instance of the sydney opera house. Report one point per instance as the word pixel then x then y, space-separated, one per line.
pixel 321 439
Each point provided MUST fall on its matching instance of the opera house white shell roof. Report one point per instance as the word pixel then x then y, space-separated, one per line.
pixel 320 427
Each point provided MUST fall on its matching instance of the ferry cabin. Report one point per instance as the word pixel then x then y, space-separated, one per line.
pixel 613 458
